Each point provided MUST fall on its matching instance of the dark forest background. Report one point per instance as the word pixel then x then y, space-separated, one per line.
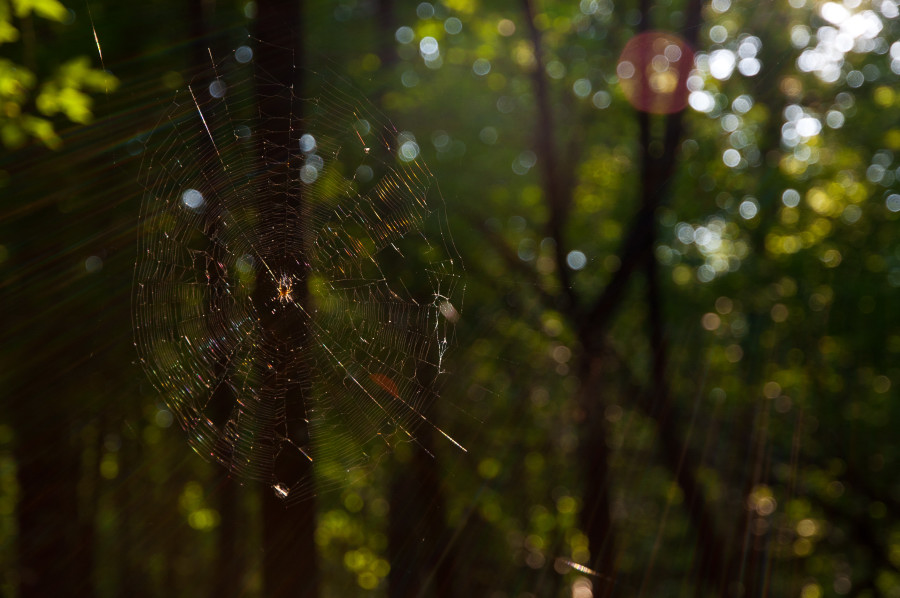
pixel 675 370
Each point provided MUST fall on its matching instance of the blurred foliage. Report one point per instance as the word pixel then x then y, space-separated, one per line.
pixel 23 96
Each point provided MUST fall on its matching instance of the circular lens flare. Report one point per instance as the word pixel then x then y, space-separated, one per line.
pixel 653 70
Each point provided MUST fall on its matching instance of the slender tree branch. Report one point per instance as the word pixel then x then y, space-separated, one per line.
pixel 655 404
pixel 558 191
pixel 657 174
pixel 549 299
pixel 592 325
pixel 596 515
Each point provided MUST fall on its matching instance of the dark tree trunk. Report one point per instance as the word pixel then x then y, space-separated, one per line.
pixel 289 551
pixel 421 560
pixel 41 401
pixel 132 533
pixel 592 320
pixel 387 24
pixel 228 565
pixel 54 560
pixel 228 568
pixel 594 456
pixel 420 551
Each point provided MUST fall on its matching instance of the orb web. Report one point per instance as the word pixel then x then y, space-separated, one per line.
pixel 296 283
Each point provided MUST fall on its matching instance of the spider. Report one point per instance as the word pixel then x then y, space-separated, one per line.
pixel 285 289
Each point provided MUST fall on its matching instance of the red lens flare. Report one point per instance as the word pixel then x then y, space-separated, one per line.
pixel 653 70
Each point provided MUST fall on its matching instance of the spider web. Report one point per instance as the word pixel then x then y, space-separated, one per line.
pixel 293 300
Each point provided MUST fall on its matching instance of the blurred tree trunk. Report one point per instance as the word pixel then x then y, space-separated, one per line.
pixel 131 537
pixel 54 554
pixel 228 564
pixel 289 550
pixel 593 318
pixel 596 513
pixel 417 531
pixel 53 559
pixel 419 551
pixel 386 21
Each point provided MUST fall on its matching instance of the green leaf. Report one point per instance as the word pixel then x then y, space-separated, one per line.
pixel 48 9
pixel 12 134
pixel 78 73
pixel 42 129
pixel 8 33
pixel 15 81
pixel 70 101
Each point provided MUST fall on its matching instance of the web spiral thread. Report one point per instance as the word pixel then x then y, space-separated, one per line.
pixel 296 284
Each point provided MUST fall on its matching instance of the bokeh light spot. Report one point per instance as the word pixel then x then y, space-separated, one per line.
pixel 790 198
pixel 748 208
pixel 601 100
pixel 192 198
pixel 892 202
pixel 217 89
pixel 243 54
pixel 309 173
pixel 307 142
pixel 576 260
pixel 481 66
pixel 731 157
pixel 425 10
pixel 93 264
pixel 409 149
pixel 404 35
pixel 506 27
pixel 428 47
pixel 452 25
pixel 582 88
